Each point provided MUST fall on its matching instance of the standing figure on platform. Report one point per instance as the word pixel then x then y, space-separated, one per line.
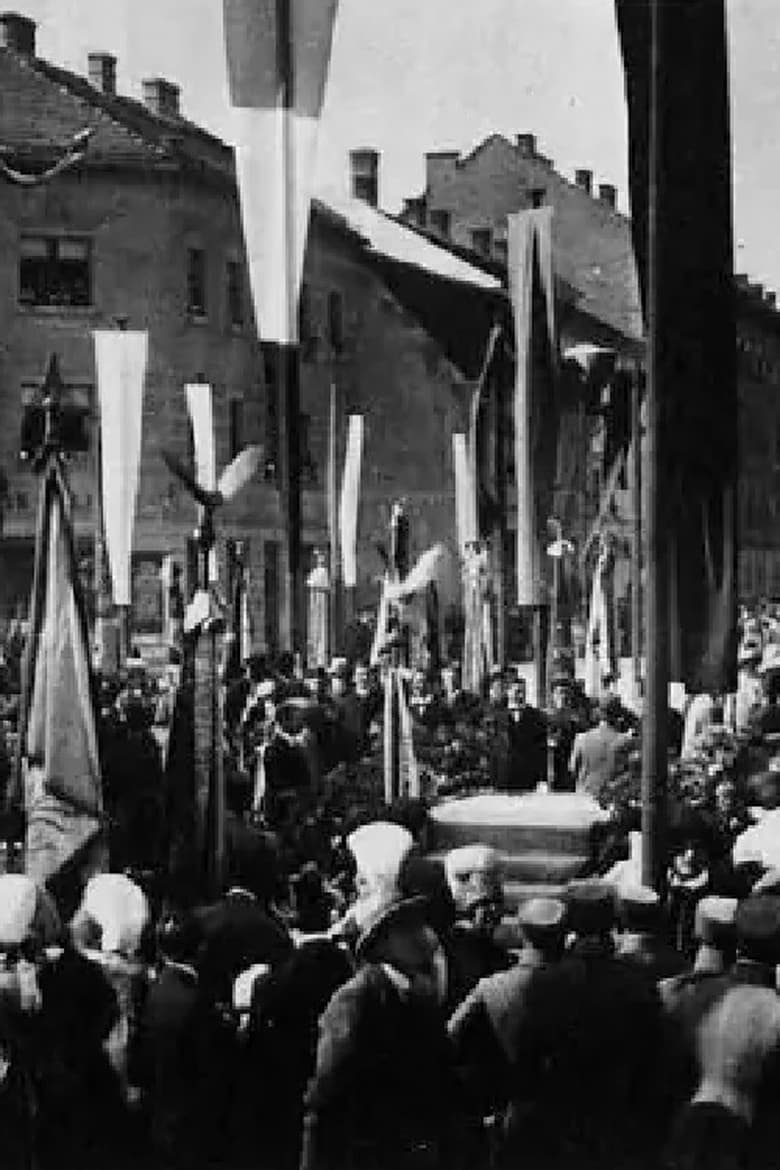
pixel 600 660
pixel 478 636
pixel 318 584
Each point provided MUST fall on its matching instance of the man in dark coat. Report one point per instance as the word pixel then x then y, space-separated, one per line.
pixel 487 1028
pixel 563 724
pixel 384 1095
pixel 184 1053
pixel 589 1091
pixel 735 1032
pixel 527 740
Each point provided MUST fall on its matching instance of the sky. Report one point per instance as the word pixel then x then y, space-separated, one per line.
pixel 408 76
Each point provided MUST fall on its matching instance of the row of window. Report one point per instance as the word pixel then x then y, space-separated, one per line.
pixel 57 272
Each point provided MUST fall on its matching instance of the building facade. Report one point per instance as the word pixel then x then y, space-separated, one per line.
pixel 466 202
pixel 145 232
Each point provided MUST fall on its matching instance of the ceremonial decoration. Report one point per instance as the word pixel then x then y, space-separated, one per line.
pixel 600 648
pixel 318 584
pixel 278 53
pixel 120 359
pixel 465 493
pixel 58 780
pixel 531 288
pixel 350 499
pixel 478 654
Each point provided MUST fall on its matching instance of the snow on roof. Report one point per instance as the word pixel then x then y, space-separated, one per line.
pixel 395 241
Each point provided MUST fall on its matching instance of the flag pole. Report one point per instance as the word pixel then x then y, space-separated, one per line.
pixel 636 543
pixel 288 354
pixel 654 722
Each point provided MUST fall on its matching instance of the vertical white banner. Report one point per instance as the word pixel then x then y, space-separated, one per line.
pixel 120 361
pixel 465 493
pixel 201 409
pixel 350 499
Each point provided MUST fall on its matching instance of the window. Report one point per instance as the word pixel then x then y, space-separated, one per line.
pixel 482 240
pixel 236 426
pixel 500 250
pixel 196 282
pixel 441 222
pixel 336 322
pixel 55 271
pixel 538 196
pixel 235 297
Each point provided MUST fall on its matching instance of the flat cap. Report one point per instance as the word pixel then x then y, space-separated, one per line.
pixel 591 906
pixel 758 928
pixel 714 924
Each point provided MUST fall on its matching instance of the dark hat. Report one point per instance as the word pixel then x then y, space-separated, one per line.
pixel 542 920
pixel 411 913
pixel 639 909
pixel 591 906
pixel 426 877
pixel 715 921
pixel 758 928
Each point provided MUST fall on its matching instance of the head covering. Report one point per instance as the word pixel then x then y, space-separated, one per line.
pixel 338 667
pixel 266 689
pixel 425 877
pixel 379 849
pixel 474 875
pixel 714 924
pixel 121 910
pixel 18 904
pixel 591 907
pixel 542 921
pixel 639 909
pixel 758 928
pixel 750 652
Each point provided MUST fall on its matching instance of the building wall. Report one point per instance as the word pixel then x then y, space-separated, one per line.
pixel 141 225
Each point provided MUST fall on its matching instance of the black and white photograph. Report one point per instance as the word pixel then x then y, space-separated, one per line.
pixel 389 585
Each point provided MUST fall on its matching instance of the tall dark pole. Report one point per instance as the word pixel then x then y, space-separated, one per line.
pixel 636 518
pixel 654 724
pixel 287 374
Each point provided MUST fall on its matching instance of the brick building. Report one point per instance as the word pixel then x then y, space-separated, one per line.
pixel 466 201
pixel 147 230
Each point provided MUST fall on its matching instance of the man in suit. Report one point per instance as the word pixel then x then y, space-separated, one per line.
pixel 598 756
pixel 527 740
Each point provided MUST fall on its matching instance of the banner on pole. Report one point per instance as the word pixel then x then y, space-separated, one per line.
pixel 58 754
pixel 120 360
pixel 465 493
pixel 350 499
pixel 531 287
pixel 278 54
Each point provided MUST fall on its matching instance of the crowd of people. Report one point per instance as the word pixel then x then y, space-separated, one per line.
pixel 344 1000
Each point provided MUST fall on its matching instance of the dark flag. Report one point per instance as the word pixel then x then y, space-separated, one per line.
pixel 693 303
pixel 58 775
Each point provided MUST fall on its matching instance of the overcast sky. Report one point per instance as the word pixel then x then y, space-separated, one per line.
pixel 414 75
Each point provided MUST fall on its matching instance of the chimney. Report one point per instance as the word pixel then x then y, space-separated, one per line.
pixel 364 175
pixel 17 33
pixel 439 168
pixel 161 97
pixel 584 178
pixel 102 72
pixel 526 144
pixel 608 194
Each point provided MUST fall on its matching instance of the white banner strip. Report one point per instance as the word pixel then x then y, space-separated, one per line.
pixel 350 499
pixel 120 360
